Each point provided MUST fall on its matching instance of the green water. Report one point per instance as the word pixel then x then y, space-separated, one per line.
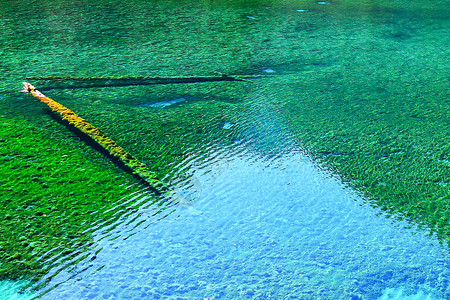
pixel 362 85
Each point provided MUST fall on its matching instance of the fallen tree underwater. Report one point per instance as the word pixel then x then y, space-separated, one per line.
pixel 68 82
pixel 104 141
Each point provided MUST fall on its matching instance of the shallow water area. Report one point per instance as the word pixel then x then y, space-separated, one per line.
pixel 13 290
pixel 264 228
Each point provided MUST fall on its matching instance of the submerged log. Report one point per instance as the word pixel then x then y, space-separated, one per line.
pixel 95 133
pixel 68 82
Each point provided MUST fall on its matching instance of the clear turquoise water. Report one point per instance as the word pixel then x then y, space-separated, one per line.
pixel 262 228
pixel 255 226
pixel 258 217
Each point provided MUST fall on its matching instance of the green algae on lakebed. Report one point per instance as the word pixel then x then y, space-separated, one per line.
pixel 56 186
pixel 360 85
pixel 49 196
pixel 395 150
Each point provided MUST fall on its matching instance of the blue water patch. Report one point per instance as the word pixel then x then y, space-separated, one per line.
pixel 263 228
pixel 227 125
pixel 11 290
pixel 401 294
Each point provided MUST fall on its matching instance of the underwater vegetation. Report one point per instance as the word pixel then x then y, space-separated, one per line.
pixel 95 133
pixel 47 200
pixel 394 150
pixel 68 82
pixel 361 86
pixel 51 178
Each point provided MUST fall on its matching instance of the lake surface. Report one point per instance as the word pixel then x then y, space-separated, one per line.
pixel 304 145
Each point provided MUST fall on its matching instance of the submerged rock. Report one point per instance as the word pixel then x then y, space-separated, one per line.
pixel 227 125
pixel 269 70
pixel 163 104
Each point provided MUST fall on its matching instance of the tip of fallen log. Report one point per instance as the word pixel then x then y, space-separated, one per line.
pixel 27 87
